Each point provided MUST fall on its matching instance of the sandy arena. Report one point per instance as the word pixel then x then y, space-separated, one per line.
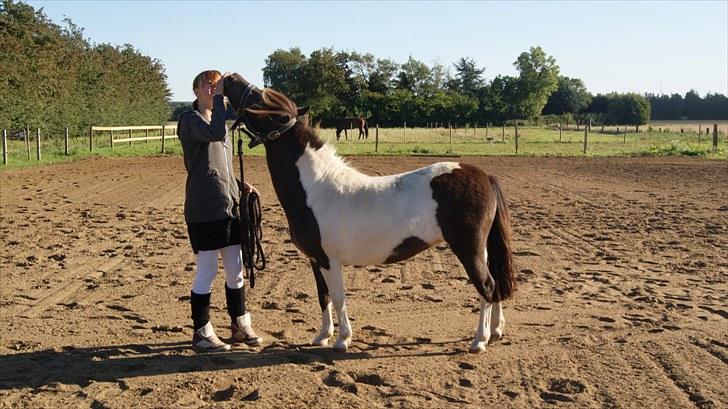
pixel 622 299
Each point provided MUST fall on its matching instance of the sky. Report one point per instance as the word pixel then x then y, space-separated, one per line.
pixel 656 47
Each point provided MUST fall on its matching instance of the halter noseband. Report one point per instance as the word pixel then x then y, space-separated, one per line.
pixel 256 136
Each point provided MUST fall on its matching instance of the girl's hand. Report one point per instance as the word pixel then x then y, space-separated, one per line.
pixel 247 187
pixel 220 85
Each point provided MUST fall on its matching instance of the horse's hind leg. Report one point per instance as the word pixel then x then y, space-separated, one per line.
pixel 482 333
pixel 335 281
pixel 475 264
pixel 327 324
pixel 497 322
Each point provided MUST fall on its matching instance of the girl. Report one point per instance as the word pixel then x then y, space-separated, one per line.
pixel 211 213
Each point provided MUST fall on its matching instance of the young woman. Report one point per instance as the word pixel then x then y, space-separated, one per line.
pixel 211 213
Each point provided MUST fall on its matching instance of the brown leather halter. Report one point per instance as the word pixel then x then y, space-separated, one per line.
pixel 256 136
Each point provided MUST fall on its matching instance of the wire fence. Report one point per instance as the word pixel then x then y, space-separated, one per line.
pixel 26 146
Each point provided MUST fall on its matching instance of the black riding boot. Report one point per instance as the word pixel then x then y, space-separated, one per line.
pixel 242 328
pixel 235 302
pixel 204 339
pixel 200 309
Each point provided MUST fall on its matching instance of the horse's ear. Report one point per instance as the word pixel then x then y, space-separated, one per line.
pixel 302 111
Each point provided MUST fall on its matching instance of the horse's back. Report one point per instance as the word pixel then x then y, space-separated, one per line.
pixel 363 219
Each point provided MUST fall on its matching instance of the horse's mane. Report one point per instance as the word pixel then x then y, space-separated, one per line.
pixel 275 103
pixel 278 104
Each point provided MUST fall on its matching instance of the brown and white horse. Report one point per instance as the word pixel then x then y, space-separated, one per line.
pixel 338 216
pixel 350 123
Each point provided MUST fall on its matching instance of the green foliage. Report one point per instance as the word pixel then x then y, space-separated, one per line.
pixel 571 96
pixel 55 78
pixel 692 106
pixel 468 77
pixel 619 109
pixel 538 78
pixel 337 84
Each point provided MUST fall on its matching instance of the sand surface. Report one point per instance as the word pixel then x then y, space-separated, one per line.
pixel 622 298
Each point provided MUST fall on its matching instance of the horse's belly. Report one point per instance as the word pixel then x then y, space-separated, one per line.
pixel 371 245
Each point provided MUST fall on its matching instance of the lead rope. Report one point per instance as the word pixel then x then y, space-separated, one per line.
pixel 251 232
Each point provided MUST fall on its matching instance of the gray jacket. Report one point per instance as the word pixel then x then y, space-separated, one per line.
pixel 211 191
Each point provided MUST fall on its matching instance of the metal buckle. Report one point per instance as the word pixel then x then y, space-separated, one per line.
pixel 273 135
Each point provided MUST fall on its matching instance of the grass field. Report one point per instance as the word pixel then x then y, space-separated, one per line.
pixel 532 141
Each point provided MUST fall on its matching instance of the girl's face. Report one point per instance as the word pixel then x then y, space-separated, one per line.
pixel 205 91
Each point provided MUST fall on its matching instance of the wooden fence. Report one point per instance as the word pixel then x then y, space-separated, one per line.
pixel 116 135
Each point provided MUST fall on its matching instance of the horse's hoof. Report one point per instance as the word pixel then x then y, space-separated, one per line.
pixel 320 342
pixel 341 345
pixel 477 347
pixel 495 336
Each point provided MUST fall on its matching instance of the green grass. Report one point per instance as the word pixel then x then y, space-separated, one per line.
pixel 533 141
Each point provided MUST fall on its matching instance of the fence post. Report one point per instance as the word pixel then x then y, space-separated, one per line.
pixel 449 127
pixel 486 130
pixel 163 133
pixel 715 138
pixel 111 139
pixel 5 146
pixel 27 140
pixel 586 132
pixel 504 131
pixel 90 138
pixel 37 144
pixel 475 129
pixel 560 126
pixel 130 136
pixel 65 143
pixel 146 135
pixel 404 132
pixel 376 139
pixel 516 133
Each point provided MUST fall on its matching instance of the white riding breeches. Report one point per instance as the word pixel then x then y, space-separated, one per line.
pixel 232 262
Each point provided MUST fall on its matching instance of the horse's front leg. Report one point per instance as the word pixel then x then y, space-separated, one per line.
pixel 327 324
pixel 335 281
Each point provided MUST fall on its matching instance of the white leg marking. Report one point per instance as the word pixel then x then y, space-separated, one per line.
pixel 497 323
pixel 327 328
pixel 335 281
pixel 482 335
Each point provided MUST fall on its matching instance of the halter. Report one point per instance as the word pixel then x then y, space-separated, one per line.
pixel 256 136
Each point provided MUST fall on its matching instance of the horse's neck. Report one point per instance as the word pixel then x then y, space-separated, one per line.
pixel 304 155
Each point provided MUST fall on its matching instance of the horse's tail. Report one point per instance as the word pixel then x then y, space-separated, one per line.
pixel 500 257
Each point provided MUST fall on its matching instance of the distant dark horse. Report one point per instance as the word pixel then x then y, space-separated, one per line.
pixel 350 123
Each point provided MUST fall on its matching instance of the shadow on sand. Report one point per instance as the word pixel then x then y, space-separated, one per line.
pixel 81 366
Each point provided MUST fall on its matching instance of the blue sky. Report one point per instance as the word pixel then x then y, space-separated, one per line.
pixel 612 46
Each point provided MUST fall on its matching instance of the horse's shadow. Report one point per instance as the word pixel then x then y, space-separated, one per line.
pixel 81 366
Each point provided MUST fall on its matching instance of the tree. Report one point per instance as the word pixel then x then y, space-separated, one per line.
pixel 413 76
pixel 570 96
pixel 538 78
pixel 284 72
pixel 468 77
pixel 53 78
pixel 382 77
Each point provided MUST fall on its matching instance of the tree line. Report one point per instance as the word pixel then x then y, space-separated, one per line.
pixel 692 106
pixel 53 77
pixel 336 84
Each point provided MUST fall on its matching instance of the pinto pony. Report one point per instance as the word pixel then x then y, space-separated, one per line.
pixel 338 216
pixel 351 123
